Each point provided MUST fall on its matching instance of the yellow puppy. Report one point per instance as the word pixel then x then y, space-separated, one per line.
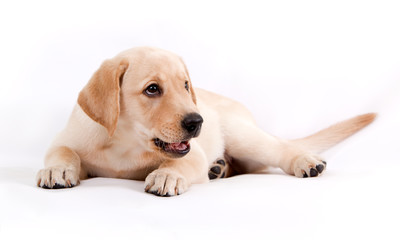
pixel 140 118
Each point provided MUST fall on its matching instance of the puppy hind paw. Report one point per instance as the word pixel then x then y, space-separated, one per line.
pixel 218 169
pixel 308 165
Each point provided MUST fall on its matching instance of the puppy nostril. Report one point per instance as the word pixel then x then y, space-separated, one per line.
pixel 192 123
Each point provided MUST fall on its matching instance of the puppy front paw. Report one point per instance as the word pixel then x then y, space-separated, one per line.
pixel 57 177
pixel 308 165
pixel 165 183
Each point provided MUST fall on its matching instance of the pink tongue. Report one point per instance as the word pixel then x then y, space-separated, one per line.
pixel 178 146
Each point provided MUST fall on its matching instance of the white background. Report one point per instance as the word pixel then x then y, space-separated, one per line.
pixel 298 66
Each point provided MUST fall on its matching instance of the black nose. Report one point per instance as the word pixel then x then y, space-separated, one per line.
pixel 192 123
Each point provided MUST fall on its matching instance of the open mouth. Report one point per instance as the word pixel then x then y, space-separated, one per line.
pixel 178 149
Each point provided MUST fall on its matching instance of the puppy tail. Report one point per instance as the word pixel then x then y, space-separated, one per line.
pixel 334 134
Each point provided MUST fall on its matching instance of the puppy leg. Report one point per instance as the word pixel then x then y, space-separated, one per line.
pixel 253 150
pixel 174 176
pixel 62 168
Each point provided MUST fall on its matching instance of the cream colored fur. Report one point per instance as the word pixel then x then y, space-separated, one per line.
pixel 111 130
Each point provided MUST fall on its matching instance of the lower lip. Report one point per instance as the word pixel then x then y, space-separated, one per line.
pixel 172 152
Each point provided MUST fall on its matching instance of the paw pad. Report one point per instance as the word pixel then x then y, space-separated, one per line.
pixel 308 165
pixel 320 168
pixel 218 169
pixel 313 172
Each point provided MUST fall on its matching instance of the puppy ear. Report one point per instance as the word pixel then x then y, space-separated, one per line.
pixel 99 99
pixel 191 90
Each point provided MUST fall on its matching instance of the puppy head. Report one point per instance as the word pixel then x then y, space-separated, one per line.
pixel 145 92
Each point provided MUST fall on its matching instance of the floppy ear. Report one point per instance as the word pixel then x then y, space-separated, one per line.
pixel 190 85
pixel 99 99
pixel 192 92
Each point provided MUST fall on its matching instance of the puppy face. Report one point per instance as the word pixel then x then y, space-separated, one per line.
pixel 155 99
pixel 157 94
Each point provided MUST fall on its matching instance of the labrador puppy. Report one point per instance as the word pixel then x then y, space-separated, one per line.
pixel 139 117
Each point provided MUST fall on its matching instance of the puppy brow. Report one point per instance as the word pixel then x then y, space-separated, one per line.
pixel 155 78
pixel 151 79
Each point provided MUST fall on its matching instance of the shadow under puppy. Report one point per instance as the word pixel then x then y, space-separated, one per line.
pixel 140 118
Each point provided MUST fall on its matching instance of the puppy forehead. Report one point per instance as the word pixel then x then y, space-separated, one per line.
pixel 155 63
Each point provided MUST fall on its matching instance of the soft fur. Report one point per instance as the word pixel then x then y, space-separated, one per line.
pixel 112 129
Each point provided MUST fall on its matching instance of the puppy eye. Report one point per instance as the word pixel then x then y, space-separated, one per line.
pixel 153 90
pixel 187 86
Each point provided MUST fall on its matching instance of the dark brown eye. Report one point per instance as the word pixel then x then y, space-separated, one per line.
pixel 153 90
pixel 187 86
